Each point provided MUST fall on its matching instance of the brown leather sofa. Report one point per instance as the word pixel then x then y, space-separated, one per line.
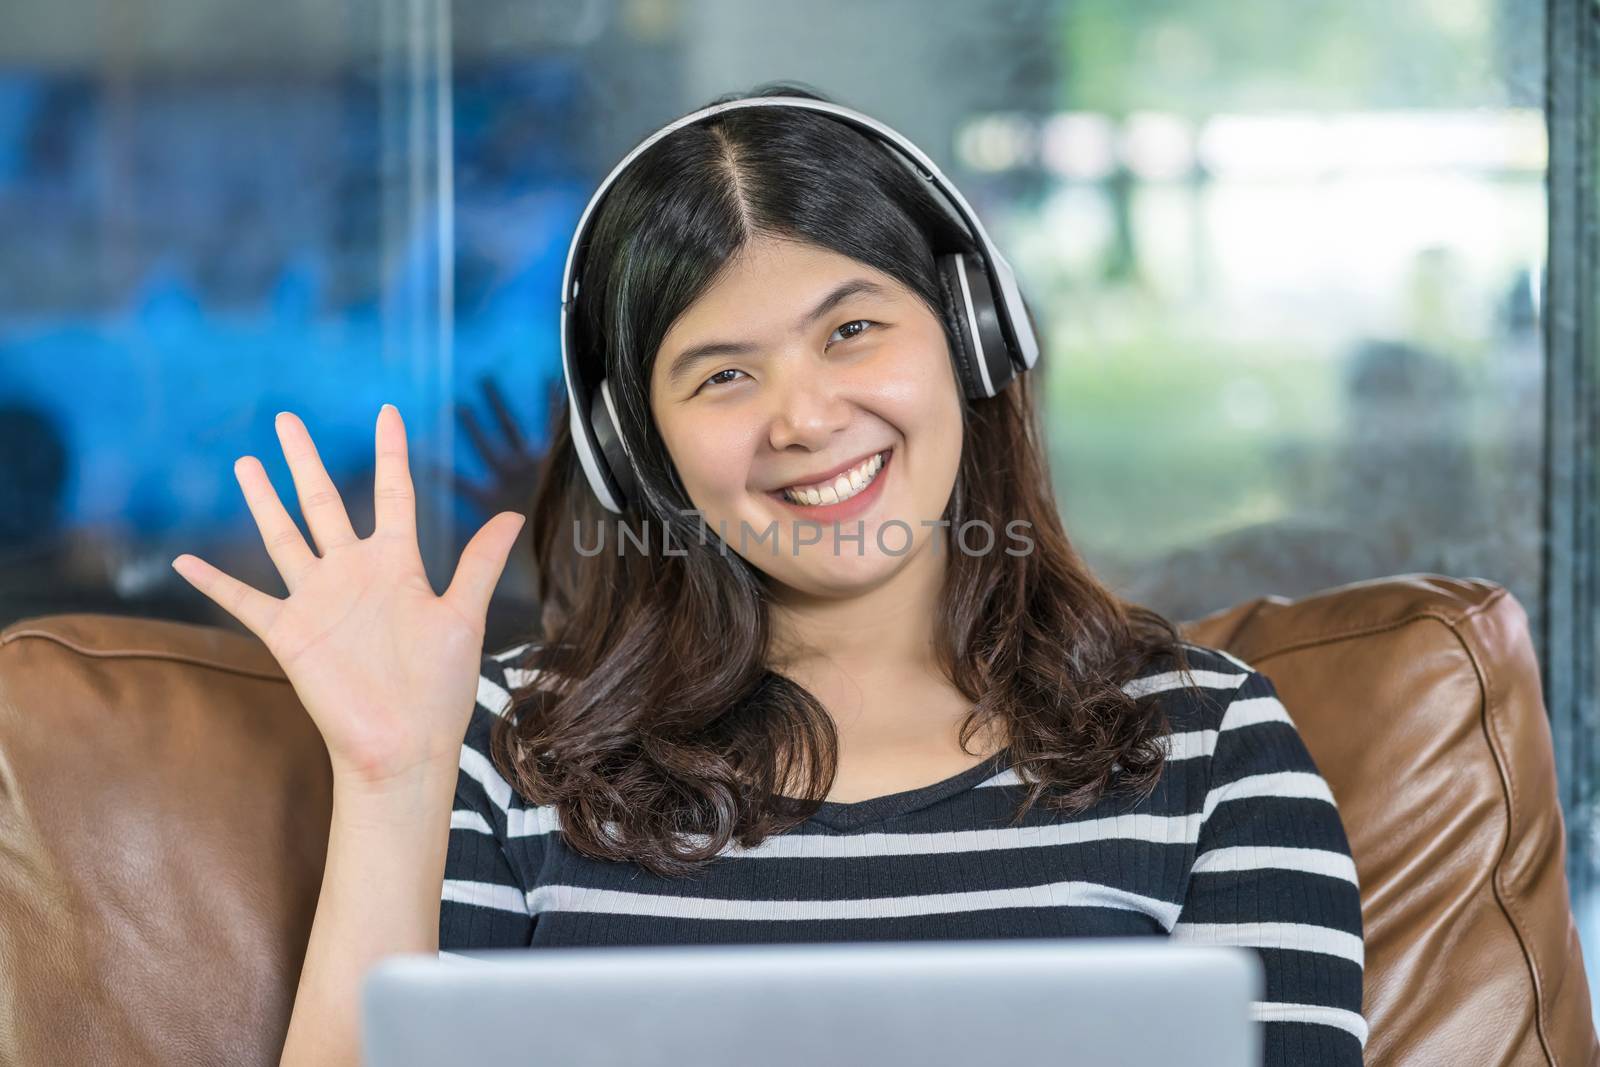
pixel 164 806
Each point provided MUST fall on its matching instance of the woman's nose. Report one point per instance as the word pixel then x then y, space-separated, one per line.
pixel 808 405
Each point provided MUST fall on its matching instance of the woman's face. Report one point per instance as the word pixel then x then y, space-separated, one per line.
pixel 824 365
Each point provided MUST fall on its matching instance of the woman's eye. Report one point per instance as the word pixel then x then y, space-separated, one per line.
pixel 713 380
pixel 849 334
pixel 856 333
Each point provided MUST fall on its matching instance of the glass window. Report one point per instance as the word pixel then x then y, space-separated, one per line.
pixel 213 213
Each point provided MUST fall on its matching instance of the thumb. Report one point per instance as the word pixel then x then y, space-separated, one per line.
pixel 481 564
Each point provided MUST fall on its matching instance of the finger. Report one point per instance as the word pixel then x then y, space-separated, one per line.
pixel 502 414
pixel 394 498
pixel 319 500
pixel 287 548
pixel 249 605
pixel 482 562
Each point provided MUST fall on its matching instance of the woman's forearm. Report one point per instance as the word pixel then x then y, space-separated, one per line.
pixel 380 895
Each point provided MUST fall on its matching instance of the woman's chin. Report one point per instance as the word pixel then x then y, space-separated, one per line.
pixel 818 571
pixel 831 557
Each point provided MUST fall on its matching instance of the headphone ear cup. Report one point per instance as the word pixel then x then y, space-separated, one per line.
pixel 961 348
pixel 616 467
pixel 983 363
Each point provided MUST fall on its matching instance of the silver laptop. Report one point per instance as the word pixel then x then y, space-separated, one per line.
pixel 1106 1002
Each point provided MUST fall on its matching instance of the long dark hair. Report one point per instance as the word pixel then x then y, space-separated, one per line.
pixel 653 724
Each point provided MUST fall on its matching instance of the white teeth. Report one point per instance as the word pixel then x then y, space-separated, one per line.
pixel 841 488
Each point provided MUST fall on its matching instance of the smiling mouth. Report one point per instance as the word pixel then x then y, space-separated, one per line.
pixel 839 489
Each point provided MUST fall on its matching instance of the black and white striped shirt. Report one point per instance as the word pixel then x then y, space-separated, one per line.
pixel 1240 844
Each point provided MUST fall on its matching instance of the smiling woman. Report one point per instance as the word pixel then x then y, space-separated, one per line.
pixel 780 313
pixel 805 406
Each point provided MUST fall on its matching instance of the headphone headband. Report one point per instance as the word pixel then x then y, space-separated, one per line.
pixel 1011 316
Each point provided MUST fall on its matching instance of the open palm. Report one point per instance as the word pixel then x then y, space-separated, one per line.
pixel 387 669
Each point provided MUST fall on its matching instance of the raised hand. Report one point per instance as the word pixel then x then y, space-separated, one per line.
pixel 513 464
pixel 387 669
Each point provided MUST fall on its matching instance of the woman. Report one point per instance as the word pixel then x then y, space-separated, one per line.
pixel 772 700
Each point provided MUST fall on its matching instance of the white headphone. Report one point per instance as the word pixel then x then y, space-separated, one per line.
pixel 995 340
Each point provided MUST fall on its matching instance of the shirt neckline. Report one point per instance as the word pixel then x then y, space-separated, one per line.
pixel 849 815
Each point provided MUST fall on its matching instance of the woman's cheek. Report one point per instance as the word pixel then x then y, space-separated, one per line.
pixel 719 467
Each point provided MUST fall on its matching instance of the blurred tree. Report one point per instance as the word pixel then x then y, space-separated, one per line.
pixel 1198 57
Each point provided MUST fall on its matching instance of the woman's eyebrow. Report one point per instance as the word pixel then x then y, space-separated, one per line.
pixel 685 361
